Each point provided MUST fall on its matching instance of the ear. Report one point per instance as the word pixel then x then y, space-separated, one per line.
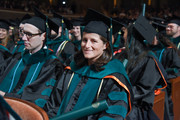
pixel 106 45
pixel 43 35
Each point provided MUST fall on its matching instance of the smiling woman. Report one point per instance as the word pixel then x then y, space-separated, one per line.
pixel 92 47
pixel 94 76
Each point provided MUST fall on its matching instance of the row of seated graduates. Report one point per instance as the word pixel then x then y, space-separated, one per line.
pixel 55 42
pixel 30 35
pixel 166 50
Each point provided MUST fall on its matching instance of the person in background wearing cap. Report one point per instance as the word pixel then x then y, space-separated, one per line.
pixel 93 76
pixel 142 70
pixel 76 31
pixel 5 54
pixel 32 74
pixel 4 32
pixel 166 51
pixel 119 41
pixel 13 33
pixel 60 43
pixel 173 31
pixel 169 56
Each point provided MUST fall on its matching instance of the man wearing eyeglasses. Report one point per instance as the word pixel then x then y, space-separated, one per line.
pixel 19 47
pixel 32 74
pixel 173 31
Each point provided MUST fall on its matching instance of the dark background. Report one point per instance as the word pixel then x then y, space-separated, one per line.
pixel 11 9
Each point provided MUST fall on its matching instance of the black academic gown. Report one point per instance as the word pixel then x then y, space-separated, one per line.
pixel 19 47
pixel 77 43
pixel 31 77
pixel 5 57
pixel 145 78
pixel 176 41
pixel 171 62
pixel 112 84
pixel 63 49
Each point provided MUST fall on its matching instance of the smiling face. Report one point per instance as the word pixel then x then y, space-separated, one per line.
pixel 3 33
pixel 172 29
pixel 76 31
pixel 33 38
pixel 92 47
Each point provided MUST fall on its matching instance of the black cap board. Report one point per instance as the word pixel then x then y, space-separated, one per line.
pixel 145 29
pixel 159 26
pixel 4 24
pixel 175 21
pixel 77 21
pixel 45 19
pixel 25 18
pixel 96 22
pixel 38 22
pixel 67 23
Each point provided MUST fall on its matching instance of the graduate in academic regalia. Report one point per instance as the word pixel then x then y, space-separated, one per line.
pixel 143 69
pixel 32 74
pixel 77 31
pixel 93 76
pixel 166 51
pixel 169 56
pixel 5 54
pixel 60 43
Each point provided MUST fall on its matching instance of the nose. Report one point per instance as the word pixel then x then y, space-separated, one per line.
pixel 88 44
pixel 24 37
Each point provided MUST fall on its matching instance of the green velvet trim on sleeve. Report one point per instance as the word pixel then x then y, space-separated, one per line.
pixel 105 118
pixel 118 110
pixel 51 82
pixel 46 92
pixel 40 102
pixel 118 96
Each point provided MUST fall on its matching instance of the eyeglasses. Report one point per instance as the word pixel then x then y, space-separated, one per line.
pixel 169 26
pixel 21 30
pixel 30 35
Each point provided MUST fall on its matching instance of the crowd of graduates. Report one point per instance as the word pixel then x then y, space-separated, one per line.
pixel 64 65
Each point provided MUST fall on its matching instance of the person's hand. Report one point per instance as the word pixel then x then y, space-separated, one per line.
pixel 2 93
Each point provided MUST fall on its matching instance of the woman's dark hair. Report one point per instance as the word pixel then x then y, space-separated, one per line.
pixel 102 60
pixel 135 48
pixel 166 42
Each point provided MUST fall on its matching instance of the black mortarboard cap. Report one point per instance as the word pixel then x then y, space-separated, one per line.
pixel 98 23
pixel 67 23
pixel 14 22
pixel 25 18
pixel 51 24
pixel 146 30
pixel 159 26
pixel 4 24
pixel 77 21
pixel 158 23
pixel 157 19
pixel 58 21
pixel 38 22
pixel 175 21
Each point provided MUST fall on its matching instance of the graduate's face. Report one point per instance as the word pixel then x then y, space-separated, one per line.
pixel 76 31
pixel 33 38
pixel 3 33
pixel 171 29
pixel 92 46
